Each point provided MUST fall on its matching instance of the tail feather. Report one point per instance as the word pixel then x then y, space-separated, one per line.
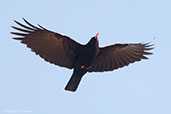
pixel 74 81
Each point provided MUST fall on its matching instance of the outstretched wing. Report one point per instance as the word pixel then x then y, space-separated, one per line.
pixel 52 47
pixel 119 55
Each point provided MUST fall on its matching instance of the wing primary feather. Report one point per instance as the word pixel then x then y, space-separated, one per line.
pixel 147 53
pixel 31 24
pixel 144 57
pixel 42 27
pixel 22 30
pixel 148 45
pixel 19 34
pixel 18 38
pixel 23 25
pixel 148 48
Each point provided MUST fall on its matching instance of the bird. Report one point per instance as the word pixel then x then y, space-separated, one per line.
pixel 65 52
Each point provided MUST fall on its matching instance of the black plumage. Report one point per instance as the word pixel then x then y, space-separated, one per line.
pixel 65 52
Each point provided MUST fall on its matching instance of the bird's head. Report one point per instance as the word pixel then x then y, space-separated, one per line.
pixel 94 40
pixel 96 37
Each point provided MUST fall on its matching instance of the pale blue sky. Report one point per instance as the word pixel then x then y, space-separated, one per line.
pixel 28 83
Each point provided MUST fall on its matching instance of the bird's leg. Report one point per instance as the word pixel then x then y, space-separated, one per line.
pixel 82 67
pixel 88 68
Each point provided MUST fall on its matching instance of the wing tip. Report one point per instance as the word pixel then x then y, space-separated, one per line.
pixel 18 38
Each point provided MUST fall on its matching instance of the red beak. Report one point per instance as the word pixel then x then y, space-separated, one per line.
pixel 97 35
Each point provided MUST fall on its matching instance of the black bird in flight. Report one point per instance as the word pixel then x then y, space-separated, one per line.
pixel 61 50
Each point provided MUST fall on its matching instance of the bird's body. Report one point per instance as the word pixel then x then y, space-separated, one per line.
pixel 83 61
pixel 87 54
pixel 65 52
